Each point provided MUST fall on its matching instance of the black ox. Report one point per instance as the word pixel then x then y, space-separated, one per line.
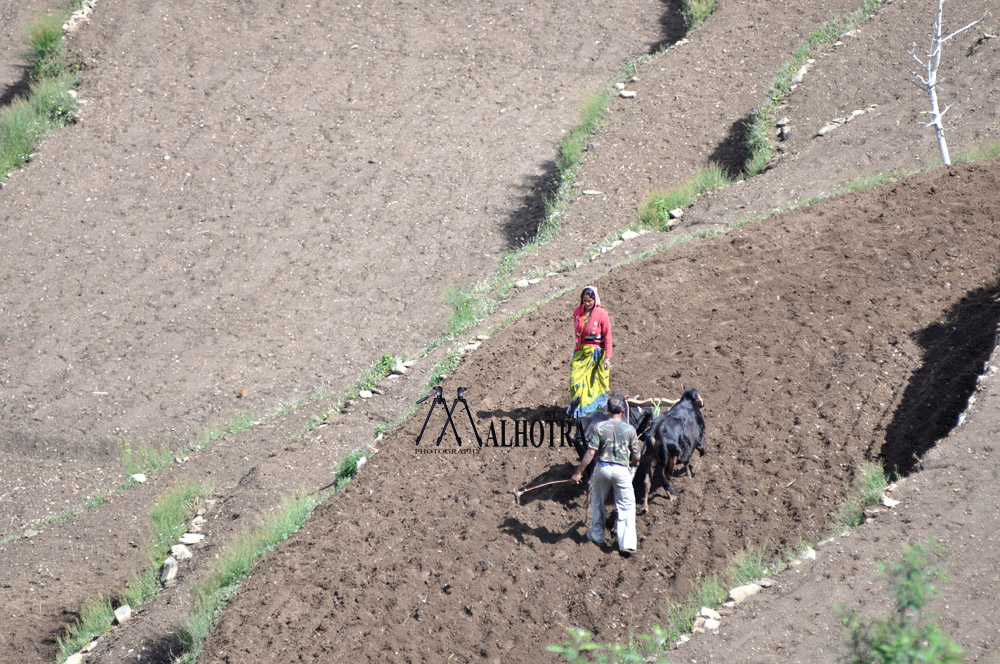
pixel 639 417
pixel 670 439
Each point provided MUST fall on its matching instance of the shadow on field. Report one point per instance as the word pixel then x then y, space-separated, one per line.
pixel 732 154
pixel 18 88
pixel 956 350
pixel 523 224
pixel 672 25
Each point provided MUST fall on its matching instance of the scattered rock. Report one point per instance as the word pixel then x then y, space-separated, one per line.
pixel 139 477
pixel 783 122
pixel 469 347
pixel 889 502
pixel 365 394
pixel 169 572
pixel 191 538
pixel 827 128
pixel 398 369
pixel 741 593
pixel 712 624
pixel 535 280
pixel 30 533
pixel 90 646
pixel 699 623
pixel 766 582
pixel 676 213
pixel 592 192
pixel 482 337
pixel 627 94
pixel 181 552
pixel 521 283
pixel 76 658
pixel 708 613
pixel 123 613
pixel 629 235
pixel 409 363
pixel 808 554
pixel 361 461
pixel 619 86
pixel 872 512
pixel 375 390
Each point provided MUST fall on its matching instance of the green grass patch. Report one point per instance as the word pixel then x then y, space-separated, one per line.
pixel 907 634
pixel 167 523
pixel 44 38
pixel 866 490
pixel 654 214
pixel 696 12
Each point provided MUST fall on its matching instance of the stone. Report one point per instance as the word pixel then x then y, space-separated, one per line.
pixel 766 582
pixel 139 477
pixel 535 280
pixel 783 122
pixel 712 624
pixel 123 613
pixel 808 554
pixel 469 347
pixel 365 394
pixel 629 235
pixel 742 593
pixel 709 614
pixel 76 658
pixel 181 552
pixel 191 538
pixel 521 283
pixel 699 622
pixel 482 337
pixel 90 646
pixel 889 502
pixel 826 129
pixel 375 390
pixel 676 213
pixel 361 461
pixel 30 533
pixel 619 86
pixel 592 192
pixel 169 571
pixel 627 94
pixel 409 363
pixel 398 369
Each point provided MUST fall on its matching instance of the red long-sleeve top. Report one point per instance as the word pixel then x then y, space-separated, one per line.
pixel 598 332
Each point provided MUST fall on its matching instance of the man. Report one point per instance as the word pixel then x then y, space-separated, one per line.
pixel 616 446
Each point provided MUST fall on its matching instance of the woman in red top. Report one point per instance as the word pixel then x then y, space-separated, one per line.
pixel 590 370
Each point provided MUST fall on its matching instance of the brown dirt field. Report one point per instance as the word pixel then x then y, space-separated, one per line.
pixel 332 170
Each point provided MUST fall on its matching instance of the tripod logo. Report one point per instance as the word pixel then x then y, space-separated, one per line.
pixel 439 399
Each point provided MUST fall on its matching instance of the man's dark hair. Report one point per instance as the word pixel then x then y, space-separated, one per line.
pixel 616 403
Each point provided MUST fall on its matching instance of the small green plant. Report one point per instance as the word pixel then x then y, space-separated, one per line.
pixel 466 309
pixel 143 460
pixel 907 635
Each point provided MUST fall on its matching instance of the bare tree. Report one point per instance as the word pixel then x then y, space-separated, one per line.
pixel 930 82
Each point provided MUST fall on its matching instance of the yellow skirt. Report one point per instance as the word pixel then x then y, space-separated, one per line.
pixel 588 382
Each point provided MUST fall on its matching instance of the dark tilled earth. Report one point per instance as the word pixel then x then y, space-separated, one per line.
pixel 333 170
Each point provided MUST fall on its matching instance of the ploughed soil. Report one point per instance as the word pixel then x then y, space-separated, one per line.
pixel 260 199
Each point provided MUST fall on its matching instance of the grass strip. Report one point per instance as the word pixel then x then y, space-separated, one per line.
pixel 758 129
pixel 48 105
pixel 167 523
pixel 222 582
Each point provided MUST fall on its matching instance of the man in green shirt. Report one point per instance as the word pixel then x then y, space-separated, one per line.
pixel 616 446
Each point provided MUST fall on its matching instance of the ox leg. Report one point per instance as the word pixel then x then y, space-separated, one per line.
pixel 667 474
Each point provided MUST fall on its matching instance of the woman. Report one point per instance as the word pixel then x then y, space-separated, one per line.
pixel 589 372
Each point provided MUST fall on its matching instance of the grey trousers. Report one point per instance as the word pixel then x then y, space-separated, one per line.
pixel 618 479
